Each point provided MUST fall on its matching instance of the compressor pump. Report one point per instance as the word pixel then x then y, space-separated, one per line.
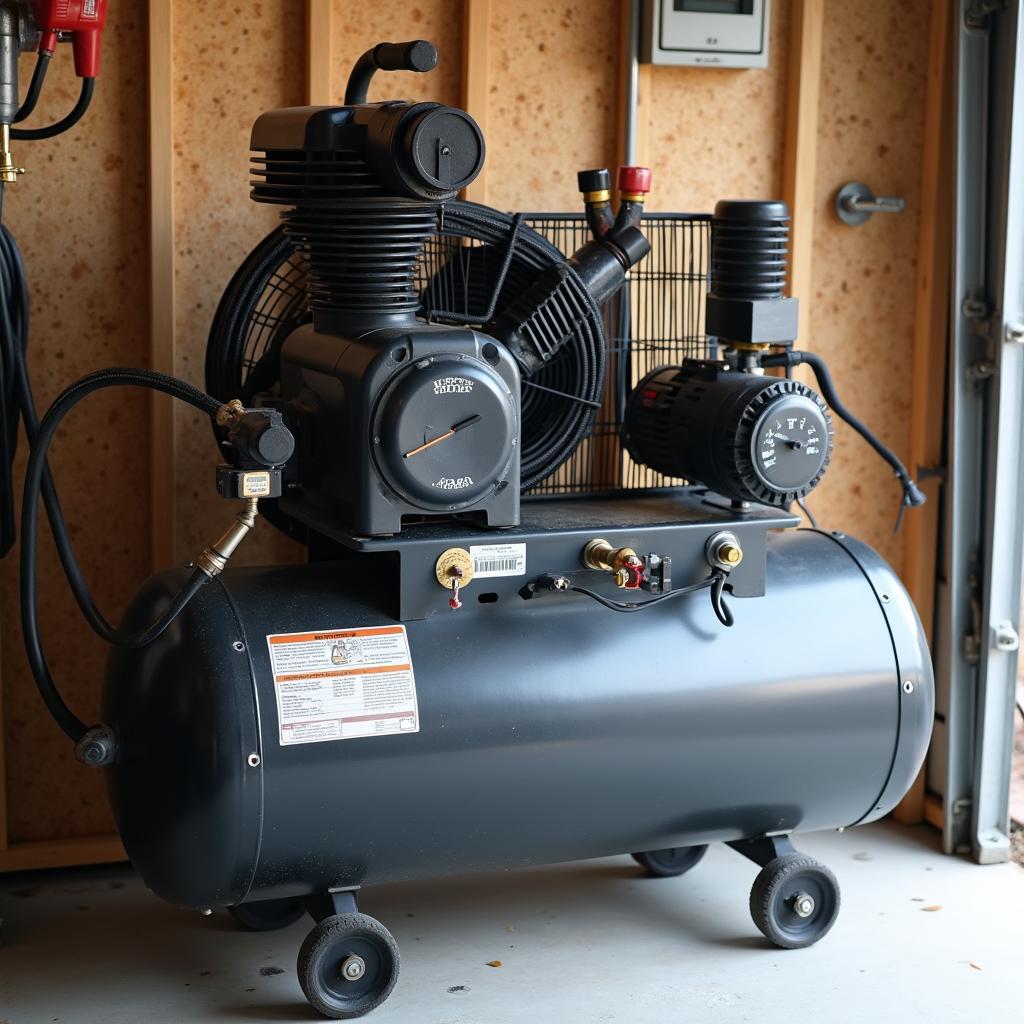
pixel 448 683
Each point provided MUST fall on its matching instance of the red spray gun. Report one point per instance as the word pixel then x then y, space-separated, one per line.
pixel 84 19
pixel 39 25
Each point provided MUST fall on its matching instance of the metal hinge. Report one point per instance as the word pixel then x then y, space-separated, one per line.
pixel 978 16
pixel 960 809
pixel 1005 637
pixel 972 638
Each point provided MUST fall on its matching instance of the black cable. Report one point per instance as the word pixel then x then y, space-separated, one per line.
pixel 61 126
pixel 35 86
pixel 912 494
pixel 807 512
pixel 37 468
pixel 715 582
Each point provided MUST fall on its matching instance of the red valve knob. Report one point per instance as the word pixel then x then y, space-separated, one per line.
pixel 635 180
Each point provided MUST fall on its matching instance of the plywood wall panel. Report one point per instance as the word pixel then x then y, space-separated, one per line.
pixel 358 26
pixel 717 133
pixel 228 69
pixel 552 112
pixel 80 217
pixel 875 62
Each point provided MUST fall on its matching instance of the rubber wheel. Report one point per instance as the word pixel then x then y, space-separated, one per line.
pixel 329 950
pixel 778 901
pixel 267 915
pixel 669 863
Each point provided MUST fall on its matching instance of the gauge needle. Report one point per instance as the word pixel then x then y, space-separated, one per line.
pixel 461 425
pixel 797 445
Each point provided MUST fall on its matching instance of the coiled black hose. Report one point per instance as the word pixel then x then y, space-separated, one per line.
pixel 34 482
pixel 559 402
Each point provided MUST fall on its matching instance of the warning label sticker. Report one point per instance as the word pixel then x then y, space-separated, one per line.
pixel 341 684
pixel 498 560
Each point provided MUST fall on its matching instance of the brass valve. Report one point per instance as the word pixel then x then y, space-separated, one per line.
pixel 723 551
pixel 625 563
pixel 454 570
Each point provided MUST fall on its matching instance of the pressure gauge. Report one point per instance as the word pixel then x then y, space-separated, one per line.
pixel 445 432
pixel 790 442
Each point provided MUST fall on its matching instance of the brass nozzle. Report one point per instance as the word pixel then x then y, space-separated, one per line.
pixel 8 172
pixel 215 557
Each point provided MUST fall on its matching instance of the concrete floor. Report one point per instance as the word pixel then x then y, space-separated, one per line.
pixel 920 937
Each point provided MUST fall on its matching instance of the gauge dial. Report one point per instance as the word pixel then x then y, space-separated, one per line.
pixel 445 432
pixel 791 443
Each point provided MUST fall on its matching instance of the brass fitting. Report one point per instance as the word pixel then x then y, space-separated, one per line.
pixel 8 172
pixel 723 551
pixel 600 196
pixel 215 557
pixel 600 555
pixel 454 564
pixel 227 414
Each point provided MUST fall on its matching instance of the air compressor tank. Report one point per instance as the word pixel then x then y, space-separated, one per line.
pixel 546 730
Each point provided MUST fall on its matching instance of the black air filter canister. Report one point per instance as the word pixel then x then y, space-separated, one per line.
pixel 749 254
pixel 749 249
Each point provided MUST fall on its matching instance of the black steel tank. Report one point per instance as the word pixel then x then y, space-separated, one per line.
pixel 549 729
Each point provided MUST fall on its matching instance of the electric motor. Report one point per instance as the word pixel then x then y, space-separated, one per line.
pixel 745 436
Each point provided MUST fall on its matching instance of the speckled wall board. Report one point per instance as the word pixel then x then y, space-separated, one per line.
pixel 228 69
pixel 81 219
pixel 356 26
pixel 874 64
pixel 718 133
pixel 552 108
pixel 553 100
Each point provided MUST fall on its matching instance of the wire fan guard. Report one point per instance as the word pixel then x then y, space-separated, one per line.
pixel 657 319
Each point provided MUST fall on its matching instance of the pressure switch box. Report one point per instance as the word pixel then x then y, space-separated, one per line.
pixel 713 33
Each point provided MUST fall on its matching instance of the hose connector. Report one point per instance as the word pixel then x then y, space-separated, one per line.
pixel 213 560
pixel 98 747
pixel 8 172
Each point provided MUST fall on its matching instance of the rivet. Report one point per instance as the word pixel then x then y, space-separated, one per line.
pixel 908 686
pixel 238 646
pixel 253 760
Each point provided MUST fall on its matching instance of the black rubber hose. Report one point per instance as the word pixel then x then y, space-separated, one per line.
pixel 61 126
pixel 912 494
pixel 66 401
pixel 35 86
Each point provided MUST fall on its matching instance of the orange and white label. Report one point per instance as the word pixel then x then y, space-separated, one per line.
pixel 340 684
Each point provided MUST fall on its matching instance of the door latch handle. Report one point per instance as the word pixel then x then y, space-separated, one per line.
pixel 856 202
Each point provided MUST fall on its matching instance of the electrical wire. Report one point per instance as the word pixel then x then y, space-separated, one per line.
pixel 715 583
pixel 912 494
pixel 34 477
pixel 802 505
pixel 65 123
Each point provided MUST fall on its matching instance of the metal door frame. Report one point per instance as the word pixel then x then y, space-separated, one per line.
pixel 979 589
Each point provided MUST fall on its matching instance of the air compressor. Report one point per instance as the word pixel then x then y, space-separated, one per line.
pixel 463 677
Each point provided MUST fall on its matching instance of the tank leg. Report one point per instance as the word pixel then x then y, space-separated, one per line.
pixel 349 963
pixel 795 899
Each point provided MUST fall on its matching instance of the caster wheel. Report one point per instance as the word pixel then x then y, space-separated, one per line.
pixel 348 965
pixel 268 915
pixel 794 900
pixel 669 863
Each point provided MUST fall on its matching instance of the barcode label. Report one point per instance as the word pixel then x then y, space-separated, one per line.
pixel 498 560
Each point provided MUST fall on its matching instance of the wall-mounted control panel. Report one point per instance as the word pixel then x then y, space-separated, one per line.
pixel 706 33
